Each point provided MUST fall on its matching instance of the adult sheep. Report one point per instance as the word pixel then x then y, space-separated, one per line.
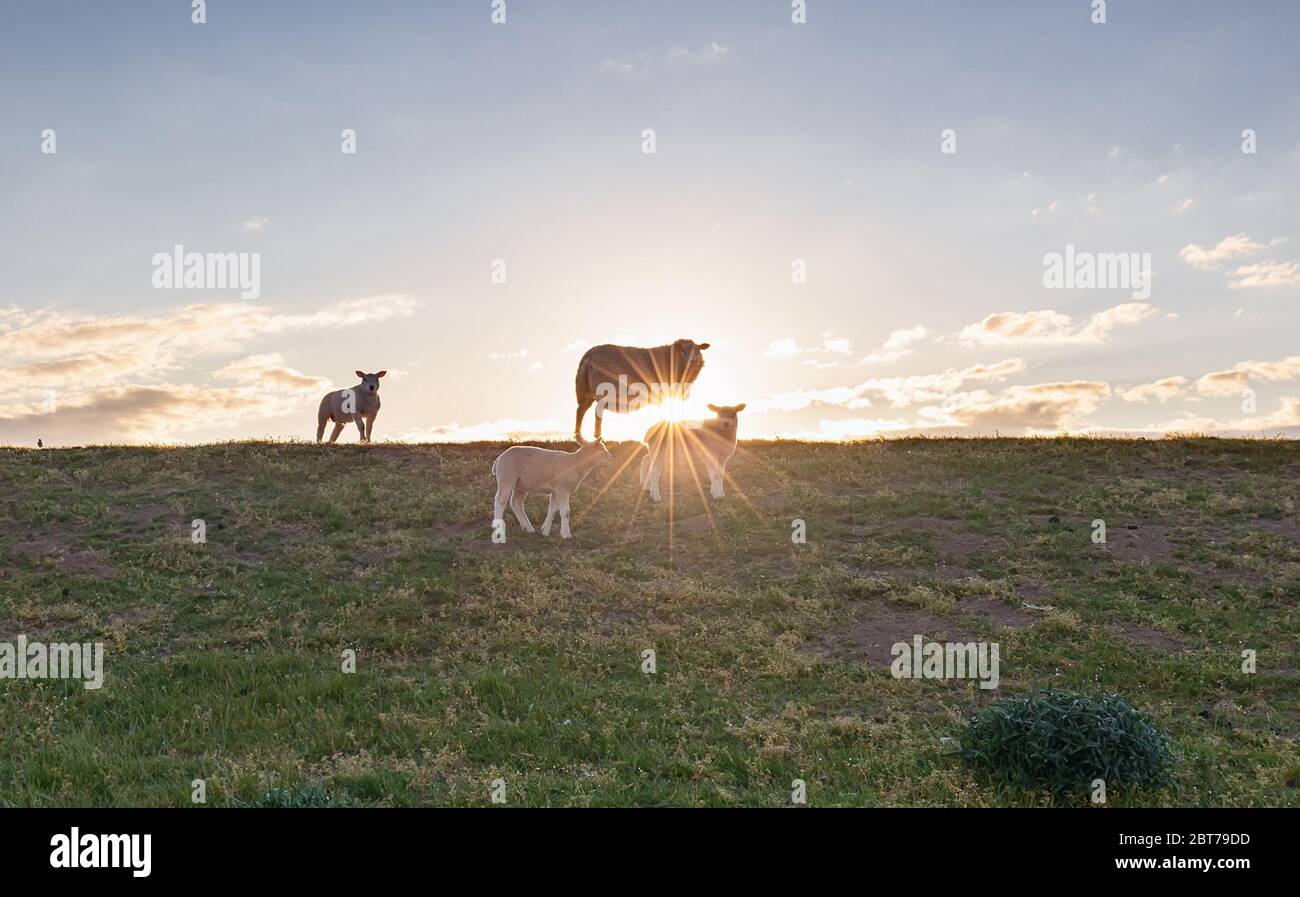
pixel 622 378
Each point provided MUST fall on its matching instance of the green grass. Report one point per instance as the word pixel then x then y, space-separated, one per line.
pixel 523 661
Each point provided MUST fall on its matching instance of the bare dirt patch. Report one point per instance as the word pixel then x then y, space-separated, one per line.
pixel 998 612
pixel 871 635
pixel 92 563
pixel 1288 528
pixel 1146 543
pixel 1152 638
pixel 953 545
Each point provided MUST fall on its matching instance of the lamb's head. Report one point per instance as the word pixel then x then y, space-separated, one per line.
pixel 370 382
pixel 690 358
pixel 727 419
pixel 594 452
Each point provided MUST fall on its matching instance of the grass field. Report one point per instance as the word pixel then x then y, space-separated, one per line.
pixel 523 661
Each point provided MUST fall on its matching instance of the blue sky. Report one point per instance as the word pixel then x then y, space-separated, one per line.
pixel 775 142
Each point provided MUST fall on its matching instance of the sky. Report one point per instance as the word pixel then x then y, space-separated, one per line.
pixel 861 213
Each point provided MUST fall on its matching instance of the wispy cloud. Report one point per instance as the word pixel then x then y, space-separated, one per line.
pixel 1229 248
pixel 897 346
pixel 1051 328
pixel 1265 274
pixel 1233 381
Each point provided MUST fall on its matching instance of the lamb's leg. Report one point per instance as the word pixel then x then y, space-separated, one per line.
pixel 517 505
pixel 656 471
pixel 338 428
pixel 563 498
pixel 551 508
pixel 715 480
pixel 320 427
pixel 361 425
pixel 499 504
pixel 370 427
pixel 645 466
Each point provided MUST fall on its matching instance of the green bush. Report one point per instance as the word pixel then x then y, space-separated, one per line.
pixel 311 796
pixel 1061 741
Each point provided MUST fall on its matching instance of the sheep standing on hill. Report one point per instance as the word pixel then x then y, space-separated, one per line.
pixel 707 442
pixel 359 403
pixel 622 378
pixel 522 469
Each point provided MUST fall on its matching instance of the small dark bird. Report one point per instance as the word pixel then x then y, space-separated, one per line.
pixel 40 444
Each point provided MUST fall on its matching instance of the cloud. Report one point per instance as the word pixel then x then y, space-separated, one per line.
pixel 897 346
pixel 257 224
pixel 1231 382
pixel 518 353
pixel 1235 246
pixel 786 347
pixel 900 392
pixel 1285 418
pixel 1040 407
pixel 714 52
pixel 509 429
pixel 781 348
pixel 1051 328
pixel 1161 390
pixel 142 413
pixel 270 372
pixel 854 428
pixel 1265 274
pixel 193 329
pixel 92 367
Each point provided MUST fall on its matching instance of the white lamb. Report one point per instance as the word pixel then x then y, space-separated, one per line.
pixel 523 469
pixel 707 443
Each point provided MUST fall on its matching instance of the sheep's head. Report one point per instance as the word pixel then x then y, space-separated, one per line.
pixel 370 382
pixel 727 415
pixel 690 355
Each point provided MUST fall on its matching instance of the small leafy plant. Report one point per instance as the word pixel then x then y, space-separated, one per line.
pixel 1061 741
pixel 300 798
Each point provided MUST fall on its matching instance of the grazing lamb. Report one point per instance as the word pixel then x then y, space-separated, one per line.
pixel 359 403
pixel 522 469
pixel 707 442
pixel 615 374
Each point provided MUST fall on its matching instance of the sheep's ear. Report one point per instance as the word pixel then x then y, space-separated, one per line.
pixel 740 407
pixel 714 408
pixel 702 346
pixel 381 373
pixel 361 374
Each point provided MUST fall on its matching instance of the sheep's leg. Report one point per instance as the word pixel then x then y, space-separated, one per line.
pixel 517 505
pixel 656 472
pixel 563 498
pixel 370 426
pixel 584 402
pixel 338 428
pixel 361 424
pixel 645 468
pixel 551 508
pixel 320 428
